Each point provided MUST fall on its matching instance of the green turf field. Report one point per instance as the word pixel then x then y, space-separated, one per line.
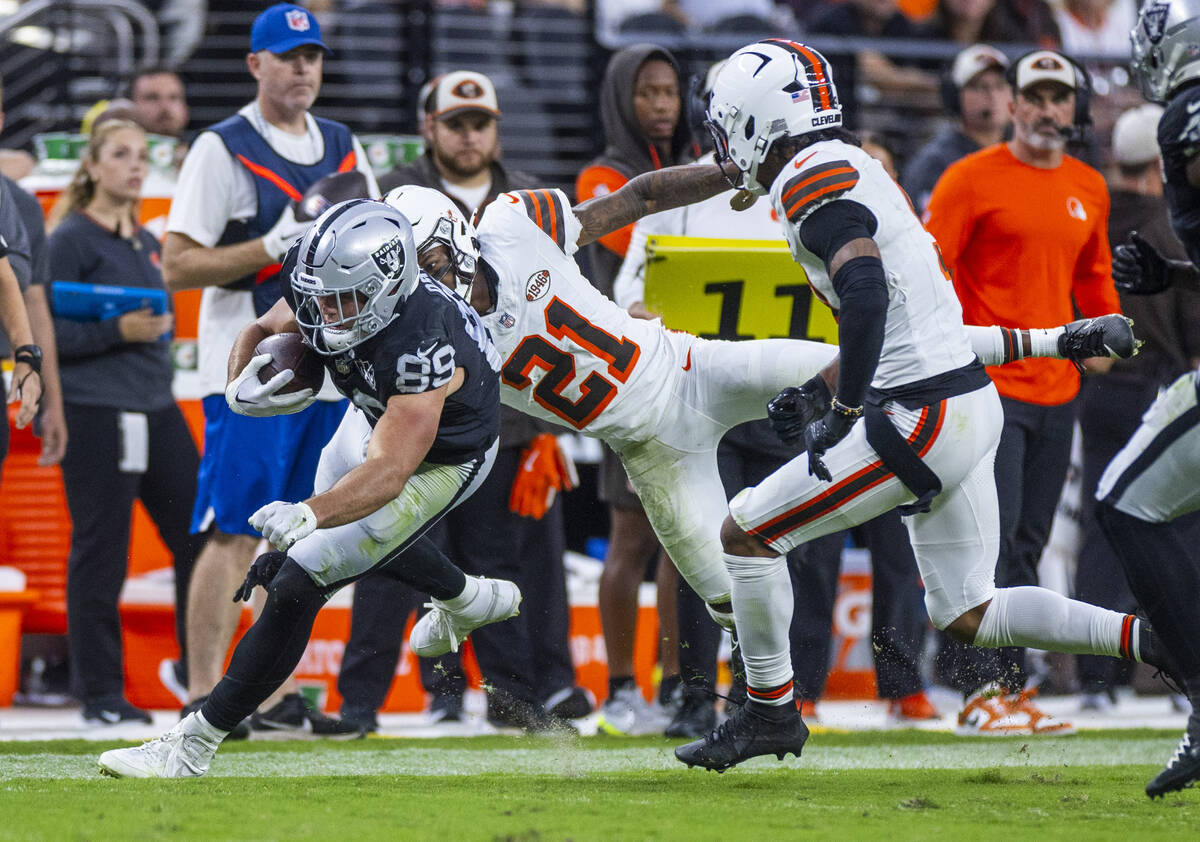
pixel 894 785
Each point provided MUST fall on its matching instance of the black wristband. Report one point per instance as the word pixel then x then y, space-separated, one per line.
pixel 31 355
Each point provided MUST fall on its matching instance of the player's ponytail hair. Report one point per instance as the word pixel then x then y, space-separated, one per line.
pixel 82 188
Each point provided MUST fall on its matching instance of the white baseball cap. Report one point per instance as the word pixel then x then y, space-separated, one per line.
pixel 974 60
pixel 1135 135
pixel 460 91
pixel 1045 66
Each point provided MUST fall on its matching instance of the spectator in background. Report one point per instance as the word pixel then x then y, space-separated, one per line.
pixel 641 108
pixel 1016 261
pixel 1026 22
pixel 26 383
pixel 877 146
pixel 159 102
pixel 160 105
pixel 22 229
pixel 976 95
pixel 992 21
pixel 128 438
pixel 870 19
pixel 527 660
pixel 14 163
pixel 1096 27
pixel 1111 408
pixel 231 221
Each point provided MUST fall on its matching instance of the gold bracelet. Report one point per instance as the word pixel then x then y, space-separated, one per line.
pixel 848 411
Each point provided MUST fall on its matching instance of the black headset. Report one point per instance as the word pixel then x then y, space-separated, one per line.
pixel 1083 89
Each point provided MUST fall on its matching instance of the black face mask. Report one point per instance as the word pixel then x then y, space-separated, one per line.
pixel 721 152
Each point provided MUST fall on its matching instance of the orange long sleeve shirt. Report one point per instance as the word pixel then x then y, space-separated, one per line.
pixel 1022 243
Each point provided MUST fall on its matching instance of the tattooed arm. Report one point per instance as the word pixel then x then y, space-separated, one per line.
pixel 648 193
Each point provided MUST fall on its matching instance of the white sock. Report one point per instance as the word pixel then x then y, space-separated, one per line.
pixel 762 606
pixel 1043 619
pixel 1045 341
pixel 469 592
pixel 201 726
pixel 995 345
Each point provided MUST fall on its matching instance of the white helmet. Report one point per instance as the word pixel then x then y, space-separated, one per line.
pixel 437 221
pixel 1165 43
pixel 765 91
pixel 360 247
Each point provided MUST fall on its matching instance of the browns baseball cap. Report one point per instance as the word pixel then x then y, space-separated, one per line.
pixel 974 60
pixel 284 27
pixel 462 91
pixel 1044 66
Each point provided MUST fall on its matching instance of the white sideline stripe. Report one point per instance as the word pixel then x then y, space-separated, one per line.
pixel 567 760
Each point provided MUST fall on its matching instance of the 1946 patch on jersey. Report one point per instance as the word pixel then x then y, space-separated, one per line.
pixel 537 285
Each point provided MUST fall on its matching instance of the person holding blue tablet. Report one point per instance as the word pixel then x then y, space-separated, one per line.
pixel 127 439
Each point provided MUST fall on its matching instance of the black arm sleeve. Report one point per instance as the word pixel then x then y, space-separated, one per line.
pixel 862 288
pixel 831 226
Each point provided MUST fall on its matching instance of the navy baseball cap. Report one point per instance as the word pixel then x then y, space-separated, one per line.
pixel 283 27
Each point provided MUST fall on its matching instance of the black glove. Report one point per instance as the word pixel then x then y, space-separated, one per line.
pixel 823 434
pixel 1138 268
pixel 793 409
pixel 261 573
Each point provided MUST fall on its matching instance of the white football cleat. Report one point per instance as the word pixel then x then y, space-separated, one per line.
pixel 442 630
pixel 183 752
pixel 627 714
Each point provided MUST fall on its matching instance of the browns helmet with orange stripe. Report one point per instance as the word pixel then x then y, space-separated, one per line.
pixel 437 221
pixel 768 90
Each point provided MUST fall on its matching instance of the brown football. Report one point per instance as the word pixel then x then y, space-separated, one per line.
pixel 288 351
pixel 328 191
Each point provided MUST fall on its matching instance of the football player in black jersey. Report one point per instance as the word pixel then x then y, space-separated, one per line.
pixel 422 373
pixel 1156 477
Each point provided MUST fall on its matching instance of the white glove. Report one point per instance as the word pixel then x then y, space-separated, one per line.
pixel 283 524
pixel 286 231
pixel 247 396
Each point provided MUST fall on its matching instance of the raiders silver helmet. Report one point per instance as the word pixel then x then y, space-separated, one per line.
pixel 1166 46
pixel 357 264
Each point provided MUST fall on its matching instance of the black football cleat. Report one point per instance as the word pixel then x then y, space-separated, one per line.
pixel 696 715
pixel 1102 336
pixel 745 734
pixel 1156 655
pixel 1183 769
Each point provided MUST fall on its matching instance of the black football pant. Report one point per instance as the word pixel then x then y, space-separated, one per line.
pixel 527 657
pixel 100 496
pixel 1109 413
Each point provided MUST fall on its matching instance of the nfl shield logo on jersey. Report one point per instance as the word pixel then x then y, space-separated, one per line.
pixel 390 258
pixel 507 319
pixel 297 20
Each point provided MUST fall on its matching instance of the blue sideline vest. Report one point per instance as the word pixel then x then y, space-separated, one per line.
pixel 277 181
